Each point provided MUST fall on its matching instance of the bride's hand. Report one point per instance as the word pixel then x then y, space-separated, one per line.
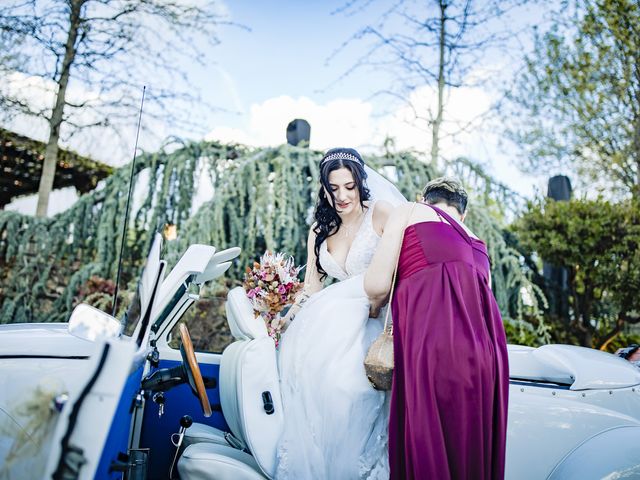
pixel 285 321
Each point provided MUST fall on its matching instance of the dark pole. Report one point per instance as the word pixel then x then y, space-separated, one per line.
pixel 557 278
pixel 126 211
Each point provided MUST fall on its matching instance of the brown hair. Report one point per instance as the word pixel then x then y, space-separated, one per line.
pixel 327 220
pixel 447 190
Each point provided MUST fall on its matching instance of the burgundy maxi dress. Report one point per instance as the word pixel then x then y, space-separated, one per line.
pixel 450 388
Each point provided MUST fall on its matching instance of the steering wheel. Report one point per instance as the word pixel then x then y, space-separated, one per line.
pixel 193 370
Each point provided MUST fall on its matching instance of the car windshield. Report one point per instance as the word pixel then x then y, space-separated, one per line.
pixel 132 315
pixel 151 274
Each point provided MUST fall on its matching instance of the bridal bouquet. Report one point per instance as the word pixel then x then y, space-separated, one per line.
pixel 272 284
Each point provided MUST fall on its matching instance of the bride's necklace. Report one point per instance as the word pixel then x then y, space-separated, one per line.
pixel 349 229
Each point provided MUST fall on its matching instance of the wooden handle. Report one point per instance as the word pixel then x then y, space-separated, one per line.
pixel 195 370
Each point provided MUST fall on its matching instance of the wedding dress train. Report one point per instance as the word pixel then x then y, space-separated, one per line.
pixel 335 422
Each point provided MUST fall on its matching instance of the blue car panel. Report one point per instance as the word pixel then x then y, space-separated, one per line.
pixel 156 431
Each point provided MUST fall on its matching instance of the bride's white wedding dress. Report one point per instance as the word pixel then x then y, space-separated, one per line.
pixel 335 422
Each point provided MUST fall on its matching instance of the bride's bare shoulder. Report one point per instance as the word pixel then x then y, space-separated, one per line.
pixel 412 212
pixel 381 212
pixel 397 217
pixel 311 238
pixel 382 207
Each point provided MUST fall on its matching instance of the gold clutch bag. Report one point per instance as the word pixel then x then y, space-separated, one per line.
pixel 378 364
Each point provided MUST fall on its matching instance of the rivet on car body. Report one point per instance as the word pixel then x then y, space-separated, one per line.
pixel 584 394
pixel 522 389
pixel 610 392
pixel 553 393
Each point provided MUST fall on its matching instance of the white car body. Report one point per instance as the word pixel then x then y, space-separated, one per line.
pixel 573 412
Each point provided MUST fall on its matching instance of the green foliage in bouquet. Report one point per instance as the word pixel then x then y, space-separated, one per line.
pixel 263 200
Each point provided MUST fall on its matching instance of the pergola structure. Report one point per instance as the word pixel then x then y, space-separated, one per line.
pixel 21 160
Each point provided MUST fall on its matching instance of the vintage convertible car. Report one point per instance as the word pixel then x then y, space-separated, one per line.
pixel 89 399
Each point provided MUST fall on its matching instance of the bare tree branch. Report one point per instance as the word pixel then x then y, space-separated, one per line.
pixel 96 54
pixel 436 44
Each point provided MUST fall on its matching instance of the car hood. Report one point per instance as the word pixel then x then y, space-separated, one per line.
pixel 578 367
pixel 42 340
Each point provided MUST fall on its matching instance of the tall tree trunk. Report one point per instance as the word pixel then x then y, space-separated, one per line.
pixel 51 152
pixel 582 322
pixel 635 190
pixel 584 331
pixel 437 122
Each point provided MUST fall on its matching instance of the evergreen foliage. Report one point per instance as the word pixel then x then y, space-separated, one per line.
pixel 598 242
pixel 263 199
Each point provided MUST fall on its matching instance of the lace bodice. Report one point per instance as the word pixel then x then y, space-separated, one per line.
pixel 360 253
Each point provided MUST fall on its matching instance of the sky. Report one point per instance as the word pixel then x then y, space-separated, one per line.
pixel 280 63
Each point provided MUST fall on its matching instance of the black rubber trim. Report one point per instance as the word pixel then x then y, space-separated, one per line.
pixel 62 470
pixel 535 384
pixel 144 325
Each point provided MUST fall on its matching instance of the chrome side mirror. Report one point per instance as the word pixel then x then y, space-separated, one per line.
pixel 89 323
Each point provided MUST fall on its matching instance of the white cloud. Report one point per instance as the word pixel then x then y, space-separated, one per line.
pixel 409 124
pixel 340 122
pixel 234 135
pixel 351 122
pixel 59 201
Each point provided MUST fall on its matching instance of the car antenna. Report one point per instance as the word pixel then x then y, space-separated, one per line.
pixel 126 211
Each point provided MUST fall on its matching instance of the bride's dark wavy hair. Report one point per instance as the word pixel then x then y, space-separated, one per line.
pixel 327 220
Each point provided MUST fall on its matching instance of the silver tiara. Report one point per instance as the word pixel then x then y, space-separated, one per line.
pixel 341 156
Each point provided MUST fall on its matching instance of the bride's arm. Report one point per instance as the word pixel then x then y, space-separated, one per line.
pixel 312 282
pixel 381 212
pixel 379 275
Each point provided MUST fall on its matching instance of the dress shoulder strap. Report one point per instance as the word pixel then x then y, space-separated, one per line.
pixel 370 209
pixel 368 216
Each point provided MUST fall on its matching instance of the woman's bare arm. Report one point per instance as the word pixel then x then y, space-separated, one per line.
pixel 379 275
pixel 312 282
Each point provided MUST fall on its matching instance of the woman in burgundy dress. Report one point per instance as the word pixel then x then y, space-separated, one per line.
pixel 450 387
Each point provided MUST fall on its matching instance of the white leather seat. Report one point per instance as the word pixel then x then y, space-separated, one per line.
pixel 201 433
pixel 250 398
pixel 243 326
pixel 230 464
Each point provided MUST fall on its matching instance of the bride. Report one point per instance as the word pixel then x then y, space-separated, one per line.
pixel 335 422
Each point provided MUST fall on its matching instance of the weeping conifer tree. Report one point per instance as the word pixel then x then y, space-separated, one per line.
pixel 263 199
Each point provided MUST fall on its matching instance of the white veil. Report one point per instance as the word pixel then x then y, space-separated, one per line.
pixel 382 189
